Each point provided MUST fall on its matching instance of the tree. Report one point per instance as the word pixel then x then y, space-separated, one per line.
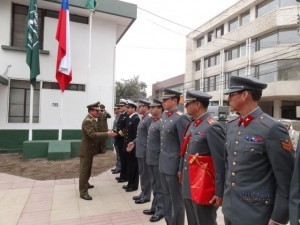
pixel 132 89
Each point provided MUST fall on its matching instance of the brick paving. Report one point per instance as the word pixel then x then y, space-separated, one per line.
pixel 25 201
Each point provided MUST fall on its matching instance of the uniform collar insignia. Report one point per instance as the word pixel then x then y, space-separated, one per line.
pixel 168 114
pixel 155 119
pixel 245 121
pixel 197 122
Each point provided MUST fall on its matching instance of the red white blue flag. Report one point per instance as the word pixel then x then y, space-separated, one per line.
pixel 63 62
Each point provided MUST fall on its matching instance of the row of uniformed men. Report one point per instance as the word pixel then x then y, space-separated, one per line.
pixel 198 167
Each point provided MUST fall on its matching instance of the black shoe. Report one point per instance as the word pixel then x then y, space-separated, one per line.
pixel 112 170
pixel 122 180
pixel 141 201
pixel 130 189
pixel 90 186
pixel 115 172
pixel 149 212
pixel 125 186
pixel 118 178
pixel 156 218
pixel 136 197
pixel 86 197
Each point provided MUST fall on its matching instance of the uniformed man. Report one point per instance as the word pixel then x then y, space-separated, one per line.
pixel 152 158
pixel 141 144
pixel 119 140
pixel 102 126
pixel 294 204
pixel 117 169
pixel 130 132
pixel 172 129
pixel 259 160
pixel 202 154
pixel 89 146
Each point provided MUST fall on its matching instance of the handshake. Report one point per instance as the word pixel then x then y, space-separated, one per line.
pixel 111 133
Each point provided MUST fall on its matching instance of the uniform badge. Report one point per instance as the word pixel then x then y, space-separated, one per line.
pixel 199 133
pixel 254 139
pixel 287 145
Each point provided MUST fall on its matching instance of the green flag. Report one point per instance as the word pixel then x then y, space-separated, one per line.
pixel 32 42
pixel 91 4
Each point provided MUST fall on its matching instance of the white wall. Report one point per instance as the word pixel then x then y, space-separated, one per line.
pixel 99 88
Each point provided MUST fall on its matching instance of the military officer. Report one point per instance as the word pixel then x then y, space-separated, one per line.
pixel 119 140
pixel 89 146
pixel 294 204
pixel 117 169
pixel 259 160
pixel 152 158
pixel 203 145
pixel 130 132
pixel 141 144
pixel 102 126
pixel 172 129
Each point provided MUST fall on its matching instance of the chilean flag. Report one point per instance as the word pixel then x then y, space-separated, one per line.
pixel 63 62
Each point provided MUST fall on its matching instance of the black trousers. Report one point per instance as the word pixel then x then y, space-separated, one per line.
pixel 133 170
pixel 123 159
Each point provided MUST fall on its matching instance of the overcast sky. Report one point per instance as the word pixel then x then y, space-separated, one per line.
pixel 154 48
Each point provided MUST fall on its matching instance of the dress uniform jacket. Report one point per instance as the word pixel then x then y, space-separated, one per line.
pixel 89 145
pixel 141 137
pixel 172 129
pixel 294 204
pixel 153 142
pixel 120 126
pixel 207 139
pixel 259 170
pixel 102 121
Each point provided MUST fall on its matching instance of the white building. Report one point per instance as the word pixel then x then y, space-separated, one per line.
pixel 258 38
pixel 110 22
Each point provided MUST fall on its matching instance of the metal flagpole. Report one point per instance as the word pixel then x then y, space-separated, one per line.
pixel 90 53
pixel 60 116
pixel 30 113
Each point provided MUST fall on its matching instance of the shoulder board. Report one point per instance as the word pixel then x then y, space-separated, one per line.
pixel 160 119
pixel 149 114
pixel 266 120
pixel 179 113
pixel 210 120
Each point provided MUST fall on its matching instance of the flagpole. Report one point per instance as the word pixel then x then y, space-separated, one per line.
pixel 60 116
pixel 90 53
pixel 30 113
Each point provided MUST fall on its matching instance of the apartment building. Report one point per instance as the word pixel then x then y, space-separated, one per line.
pixel 259 38
pixel 111 20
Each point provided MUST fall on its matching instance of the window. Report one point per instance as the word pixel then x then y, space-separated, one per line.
pixel 200 42
pixel 19 102
pixel 19 18
pixel 211 83
pixel 245 18
pixel 267 72
pixel 242 49
pixel 235 52
pixel 266 41
pixel 265 7
pixel 233 24
pixel 212 60
pixel 220 31
pixel 288 36
pixel 211 36
pixel 197 85
pixel 198 65
pixel 284 3
pixel 70 87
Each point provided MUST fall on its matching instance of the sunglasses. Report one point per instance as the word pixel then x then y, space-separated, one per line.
pixel 235 93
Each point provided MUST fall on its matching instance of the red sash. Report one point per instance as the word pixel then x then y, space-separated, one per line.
pixel 202 178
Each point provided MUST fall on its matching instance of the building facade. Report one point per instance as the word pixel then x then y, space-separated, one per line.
pixel 110 22
pixel 259 38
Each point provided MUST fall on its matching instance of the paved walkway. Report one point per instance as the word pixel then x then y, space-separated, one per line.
pixel 25 201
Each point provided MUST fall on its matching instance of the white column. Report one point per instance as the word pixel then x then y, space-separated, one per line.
pixel 277 108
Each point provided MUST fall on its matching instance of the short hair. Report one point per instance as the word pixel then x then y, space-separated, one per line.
pixel 256 95
pixel 176 97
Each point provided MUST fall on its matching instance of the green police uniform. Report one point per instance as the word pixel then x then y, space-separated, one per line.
pixel 89 146
pixel 102 126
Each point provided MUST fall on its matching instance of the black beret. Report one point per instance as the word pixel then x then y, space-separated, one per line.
pixel 196 96
pixel 245 83
pixel 94 106
pixel 156 102
pixel 168 93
